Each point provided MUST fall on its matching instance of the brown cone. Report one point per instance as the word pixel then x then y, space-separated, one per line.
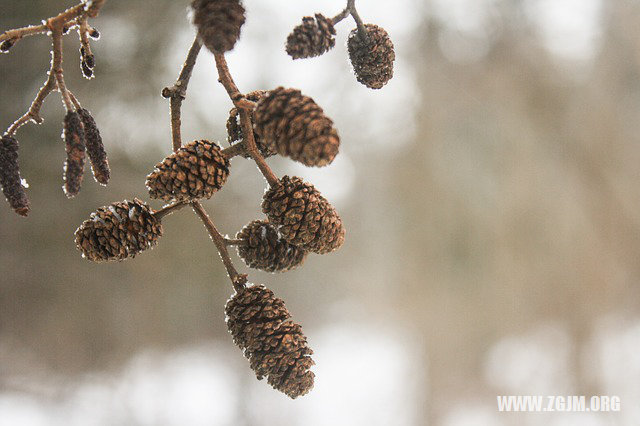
pixel 10 179
pixel 304 216
pixel 373 61
pixel 311 38
pixel 234 129
pixel 275 346
pixel 296 127
pixel 197 170
pixel 263 248
pixel 74 139
pixel 218 23
pixel 95 148
pixel 118 231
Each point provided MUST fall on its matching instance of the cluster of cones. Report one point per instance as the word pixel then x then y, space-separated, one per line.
pixel 299 220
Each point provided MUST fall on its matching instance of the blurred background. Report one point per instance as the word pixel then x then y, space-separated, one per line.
pixel 490 194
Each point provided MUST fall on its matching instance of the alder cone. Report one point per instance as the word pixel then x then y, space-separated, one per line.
pixel 305 218
pixel 218 22
pixel 95 148
pixel 197 170
pixel 314 37
pixel 234 128
pixel 296 127
pixel 373 60
pixel 118 231
pixel 275 346
pixel 74 139
pixel 10 179
pixel 264 249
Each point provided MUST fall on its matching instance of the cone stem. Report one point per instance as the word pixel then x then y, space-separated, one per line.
pixel 238 100
pixel 167 210
pixel 362 31
pixel 238 280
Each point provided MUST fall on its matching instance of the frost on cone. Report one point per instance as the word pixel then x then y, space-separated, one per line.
pixel 234 128
pixel 218 23
pixel 305 218
pixel 197 170
pixel 275 346
pixel 74 139
pixel 263 248
pixel 311 38
pixel 373 61
pixel 118 231
pixel 296 127
pixel 10 179
pixel 95 148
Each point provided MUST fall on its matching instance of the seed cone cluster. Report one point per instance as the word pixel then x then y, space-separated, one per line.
pixel 313 37
pixel 218 22
pixel 275 346
pixel 95 148
pixel 10 179
pixel 296 127
pixel 234 129
pixel 373 60
pixel 197 170
pixel 74 138
pixel 305 218
pixel 263 248
pixel 118 231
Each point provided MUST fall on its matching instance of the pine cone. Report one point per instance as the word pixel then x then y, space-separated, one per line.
pixel 296 127
pixel 305 217
pixel 264 249
pixel 75 144
pixel 234 129
pixel 118 231
pixel 197 170
pixel 218 23
pixel 275 346
pixel 372 61
pixel 10 179
pixel 95 148
pixel 311 38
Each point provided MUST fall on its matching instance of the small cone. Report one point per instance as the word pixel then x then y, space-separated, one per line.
pixel 373 60
pixel 10 179
pixel 118 231
pixel 74 139
pixel 218 22
pixel 263 248
pixel 312 38
pixel 305 218
pixel 197 170
pixel 296 127
pixel 275 346
pixel 95 148
pixel 234 128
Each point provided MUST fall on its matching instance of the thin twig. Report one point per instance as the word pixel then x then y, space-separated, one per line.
pixel 178 92
pixel 225 78
pixel 231 242
pixel 362 31
pixel 34 110
pixel 167 210
pixel 239 280
pixel 341 16
pixel 58 20
pixel 56 68
pixel 234 150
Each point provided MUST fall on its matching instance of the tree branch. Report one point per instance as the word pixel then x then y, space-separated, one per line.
pixel 238 280
pixel 178 92
pixel 245 119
